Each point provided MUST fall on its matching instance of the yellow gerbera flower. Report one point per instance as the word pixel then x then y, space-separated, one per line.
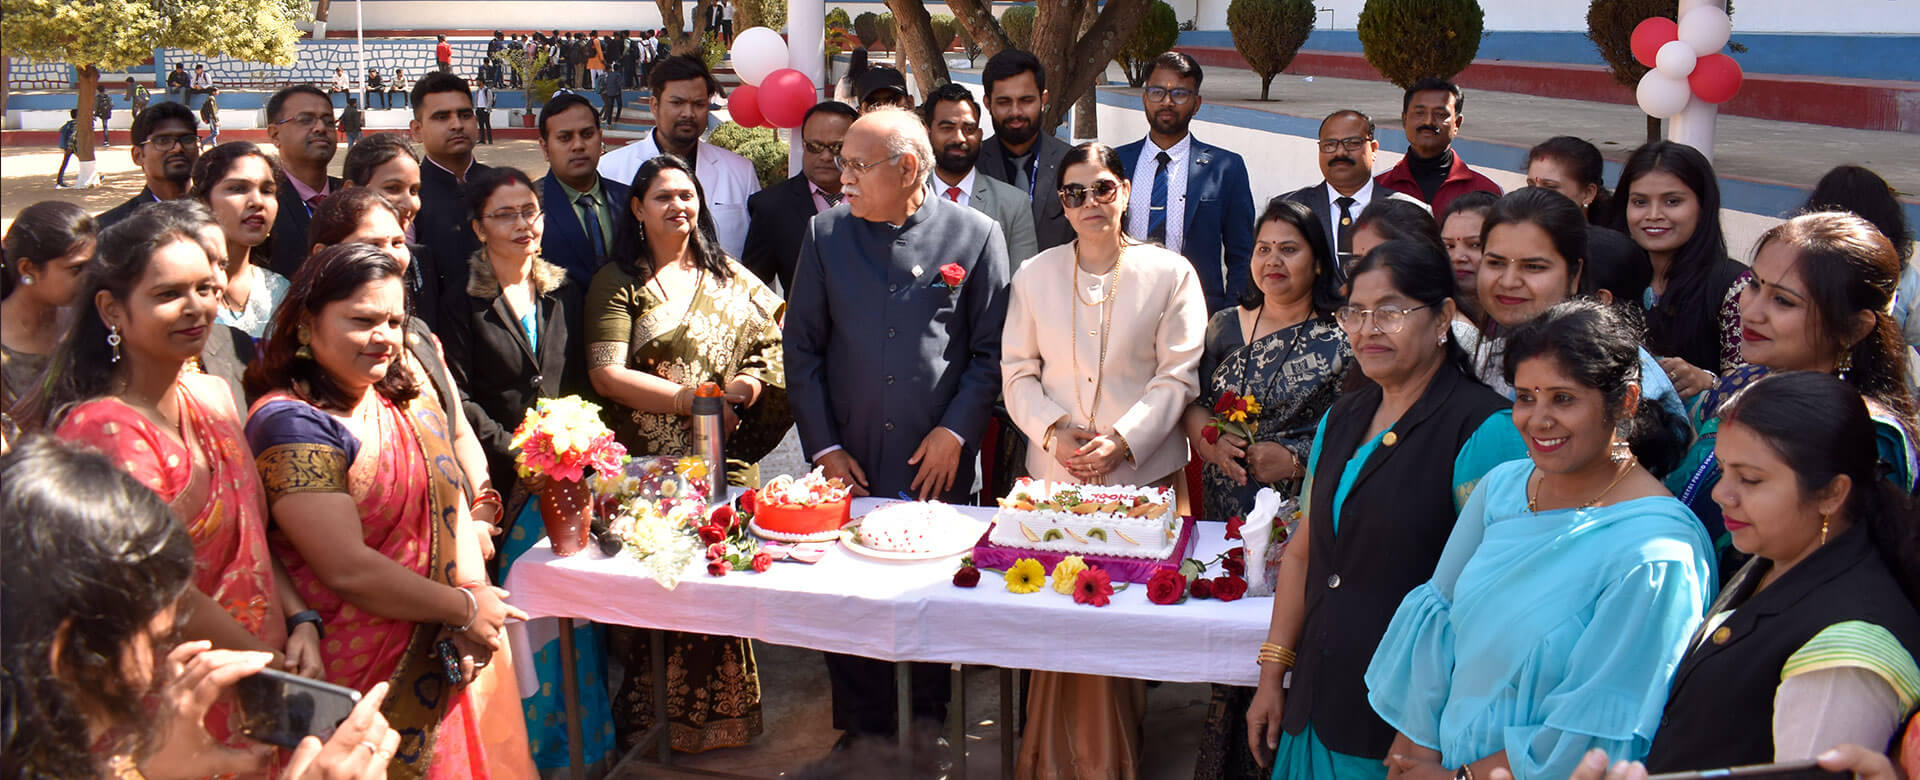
pixel 1066 573
pixel 1026 576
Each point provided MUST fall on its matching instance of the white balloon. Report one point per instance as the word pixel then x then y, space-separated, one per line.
pixel 1675 59
pixel 758 51
pixel 1706 29
pixel 1662 96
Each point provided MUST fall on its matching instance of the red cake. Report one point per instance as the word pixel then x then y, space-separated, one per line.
pixel 809 509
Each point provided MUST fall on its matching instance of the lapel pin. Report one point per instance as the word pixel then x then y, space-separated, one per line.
pixel 916 270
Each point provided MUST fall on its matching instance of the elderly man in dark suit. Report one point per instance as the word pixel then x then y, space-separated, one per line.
pixel 1347 151
pixel 1188 196
pixel 580 206
pixel 1019 153
pixel 778 215
pixel 893 355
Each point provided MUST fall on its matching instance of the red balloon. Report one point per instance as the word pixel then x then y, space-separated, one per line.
pixel 1652 34
pixel 785 96
pixel 1715 78
pixel 744 105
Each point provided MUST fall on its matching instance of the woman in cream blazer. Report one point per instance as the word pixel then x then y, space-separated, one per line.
pixel 1099 357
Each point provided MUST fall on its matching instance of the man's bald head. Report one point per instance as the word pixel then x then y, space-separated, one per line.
pixel 886 157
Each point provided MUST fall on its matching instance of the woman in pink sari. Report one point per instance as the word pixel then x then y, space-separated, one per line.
pixel 121 383
pixel 371 521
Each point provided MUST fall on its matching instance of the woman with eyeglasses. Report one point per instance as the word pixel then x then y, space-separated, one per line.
pixel 1098 359
pixel 668 312
pixel 1376 513
pixel 1564 596
pixel 241 183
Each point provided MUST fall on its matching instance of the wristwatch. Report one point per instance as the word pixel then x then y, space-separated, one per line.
pixel 309 616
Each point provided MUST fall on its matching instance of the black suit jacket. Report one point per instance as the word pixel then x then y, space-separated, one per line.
pixel 499 372
pixel 564 241
pixel 289 240
pixel 778 218
pixel 118 213
pixel 1049 216
pixel 443 227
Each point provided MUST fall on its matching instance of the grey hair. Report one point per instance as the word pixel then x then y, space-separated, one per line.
pixel 909 140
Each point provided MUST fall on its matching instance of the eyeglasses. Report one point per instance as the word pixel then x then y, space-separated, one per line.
pixel 1075 195
pixel 860 168
pixel 165 142
pixel 1351 144
pixel 1386 319
pixel 822 147
pixel 307 120
pixel 511 217
pixel 1179 95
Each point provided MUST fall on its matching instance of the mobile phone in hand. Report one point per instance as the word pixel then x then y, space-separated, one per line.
pixel 1808 769
pixel 281 709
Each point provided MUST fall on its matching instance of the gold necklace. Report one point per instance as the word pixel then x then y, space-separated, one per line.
pixel 1533 496
pixel 1106 325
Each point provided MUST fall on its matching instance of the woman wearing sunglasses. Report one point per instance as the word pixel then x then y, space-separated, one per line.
pixel 1099 357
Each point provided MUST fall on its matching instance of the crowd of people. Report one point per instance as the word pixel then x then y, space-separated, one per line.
pixel 264 419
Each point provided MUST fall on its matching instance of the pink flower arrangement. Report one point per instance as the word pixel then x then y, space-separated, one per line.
pixel 563 437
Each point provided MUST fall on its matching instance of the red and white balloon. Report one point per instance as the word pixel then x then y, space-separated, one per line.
pixel 1686 62
pixel 775 95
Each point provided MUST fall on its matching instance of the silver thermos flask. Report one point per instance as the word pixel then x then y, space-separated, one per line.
pixel 709 405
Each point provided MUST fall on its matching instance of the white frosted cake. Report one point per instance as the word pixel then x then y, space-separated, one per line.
pixel 917 527
pixel 1111 520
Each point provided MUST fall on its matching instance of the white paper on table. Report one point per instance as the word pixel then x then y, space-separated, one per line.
pixel 1263 545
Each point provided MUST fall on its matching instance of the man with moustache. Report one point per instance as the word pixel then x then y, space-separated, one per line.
pixel 1191 197
pixel 166 143
pixel 1347 150
pixel 1431 113
pixel 893 357
pixel 444 123
pixel 301 126
pixel 579 203
pixel 778 215
pixel 1018 153
pixel 953 125
pixel 683 90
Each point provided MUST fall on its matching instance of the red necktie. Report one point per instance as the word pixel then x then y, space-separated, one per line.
pixel 953 194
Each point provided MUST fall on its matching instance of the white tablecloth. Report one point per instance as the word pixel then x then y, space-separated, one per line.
pixel 911 611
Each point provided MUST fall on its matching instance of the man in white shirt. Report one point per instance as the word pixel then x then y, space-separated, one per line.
pixel 1347 151
pixel 682 90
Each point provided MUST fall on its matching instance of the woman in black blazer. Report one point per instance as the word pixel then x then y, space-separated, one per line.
pixel 512 336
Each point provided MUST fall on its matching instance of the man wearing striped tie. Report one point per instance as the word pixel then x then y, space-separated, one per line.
pixel 580 203
pixel 1189 196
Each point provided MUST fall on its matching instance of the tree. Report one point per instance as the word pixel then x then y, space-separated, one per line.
pixel 1074 39
pixel 1019 24
pixel 1610 26
pixel 911 28
pixel 944 30
pixel 1268 33
pixel 96 35
pixel 760 13
pixel 866 27
pixel 684 42
pixel 1408 40
pixel 887 31
pixel 1155 36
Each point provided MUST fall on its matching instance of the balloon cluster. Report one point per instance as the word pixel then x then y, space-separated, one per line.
pixel 774 95
pixel 1686 61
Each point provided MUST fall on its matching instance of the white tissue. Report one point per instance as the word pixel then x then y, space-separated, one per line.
pixel 1263 543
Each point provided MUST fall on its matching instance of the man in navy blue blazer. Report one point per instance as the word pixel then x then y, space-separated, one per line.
pixel 580 206
pixel 1189 196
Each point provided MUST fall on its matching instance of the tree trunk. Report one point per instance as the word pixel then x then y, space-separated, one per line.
pixel 6 77
pixel 1265 82
pixel 1074 67
pixel 320 13
pixel 977 17
pixel 1086 111
pixel 915 41
pixel 1653 128
pixel 83 122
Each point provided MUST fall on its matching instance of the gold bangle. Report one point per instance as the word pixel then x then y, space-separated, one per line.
pixel 1046 441
pixel 1466 771
pixel 683 399
pixel 1272 652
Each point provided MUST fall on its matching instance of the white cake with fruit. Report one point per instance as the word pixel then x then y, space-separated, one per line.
pixel 1112 520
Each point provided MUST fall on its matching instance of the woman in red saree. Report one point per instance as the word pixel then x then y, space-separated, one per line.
pixel 121 383
pixel 370 518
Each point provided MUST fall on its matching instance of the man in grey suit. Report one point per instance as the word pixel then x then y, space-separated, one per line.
pixel 953 125
pixel 893 356
pixel 1347 151
pixel 1019 153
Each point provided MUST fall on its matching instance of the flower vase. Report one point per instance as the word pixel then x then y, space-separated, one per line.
pixel 566 507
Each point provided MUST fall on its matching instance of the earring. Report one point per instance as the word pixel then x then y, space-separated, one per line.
pixel 113 342
pixel 1823 529
pixel 26 279
pixel 1443 338
pixel 1844 364
pixel 304 352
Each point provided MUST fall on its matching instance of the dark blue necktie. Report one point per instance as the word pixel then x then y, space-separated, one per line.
pixel 593 230
pixel 1157 212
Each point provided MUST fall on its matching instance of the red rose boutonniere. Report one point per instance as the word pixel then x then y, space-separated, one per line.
pixel 953 275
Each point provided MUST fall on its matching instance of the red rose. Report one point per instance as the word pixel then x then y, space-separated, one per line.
pixel 710 533
pixel 1237 554
pixel 748 501
pixel 1166 586
pixel 1093 586
pixel 722 516
pixel 1233 526
pixel 716 550
pixel 1203 588
pixel 966 577
pixel 1234 567
pixel 953 274
pixel 718 568
pixel 1227 587
pixel 1225 403
pixel 1211 433
pixel 762 561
